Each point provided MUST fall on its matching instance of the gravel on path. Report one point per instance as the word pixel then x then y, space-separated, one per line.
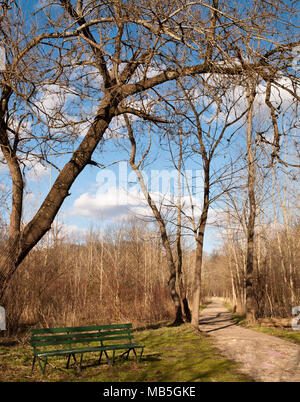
pixel 264 357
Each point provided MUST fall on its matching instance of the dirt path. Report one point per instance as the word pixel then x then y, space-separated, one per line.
pixel 264 357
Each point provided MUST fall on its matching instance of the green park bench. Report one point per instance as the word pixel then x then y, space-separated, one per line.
pixel 70 341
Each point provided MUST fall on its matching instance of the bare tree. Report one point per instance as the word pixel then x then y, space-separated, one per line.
pixel 179 206
pixel 159 219
pixel 250 302
pixel 207 136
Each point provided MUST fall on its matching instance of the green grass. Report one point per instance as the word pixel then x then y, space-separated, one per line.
pixel 287 334
pixel 172 354
pixel 236 318
pixel 204 305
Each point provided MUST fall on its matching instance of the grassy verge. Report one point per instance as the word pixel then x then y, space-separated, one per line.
pixel 236 318
pixel 171 354
pixel 287 334
pixel 204 305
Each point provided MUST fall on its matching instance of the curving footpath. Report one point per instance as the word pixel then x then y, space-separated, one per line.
pixel 264 357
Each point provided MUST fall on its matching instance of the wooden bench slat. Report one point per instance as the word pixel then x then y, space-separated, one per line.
pixel 108 333
pixel 78 329
pixel 80 335
pixel 54 337
pixel 78 340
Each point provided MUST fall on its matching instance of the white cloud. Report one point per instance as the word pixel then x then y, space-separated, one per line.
pixel 118 127
pixel 53 98
pixel 3 167
pixel 119 194
pixel 149 72
pixel 235 98
pixel 72 230
pixel 117 204
pixel 36 170
pixel 113 204
pixel 23 128
pixel 278 97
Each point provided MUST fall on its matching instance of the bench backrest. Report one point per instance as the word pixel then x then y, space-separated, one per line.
pixel 69 336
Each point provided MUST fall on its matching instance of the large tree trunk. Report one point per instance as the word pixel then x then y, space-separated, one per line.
pixel 197 283
pixel 250 301
pixel 166 244
pixel 10 251
pixel 181 287
pixel 174 295
pixel 19 244
pixel 199 248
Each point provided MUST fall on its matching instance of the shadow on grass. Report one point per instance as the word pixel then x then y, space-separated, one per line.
pixel 8 342
pixel 217 329
pixel 119 361
pixel 153 326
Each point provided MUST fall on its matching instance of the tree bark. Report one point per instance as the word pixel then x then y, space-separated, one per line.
pixel 181 287
pixel 199 247
pixel 250 301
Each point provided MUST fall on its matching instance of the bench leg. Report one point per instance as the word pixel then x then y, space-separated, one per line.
pixel 69 358
pixel 109 361
pixel 126 354
pixel 80 364
pixel 107 357
pixel 113 357
pixel 138 358
pixel 68 362
pixel 77 366
pixel 33 363
pixel 100 357
pixel 141 354
pixel 43 368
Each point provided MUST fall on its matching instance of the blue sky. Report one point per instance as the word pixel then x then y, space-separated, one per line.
pixel 93 205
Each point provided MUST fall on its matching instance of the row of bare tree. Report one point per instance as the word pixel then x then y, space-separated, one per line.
pixel 123 275
pixel 276 273
pixel 117 276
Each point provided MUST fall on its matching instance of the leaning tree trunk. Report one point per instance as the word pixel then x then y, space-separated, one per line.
pixel 10 251
pixel 170 261
pixel 19 245
pixel 162 227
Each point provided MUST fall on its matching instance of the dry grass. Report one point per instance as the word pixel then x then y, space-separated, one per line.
pixel 118 278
